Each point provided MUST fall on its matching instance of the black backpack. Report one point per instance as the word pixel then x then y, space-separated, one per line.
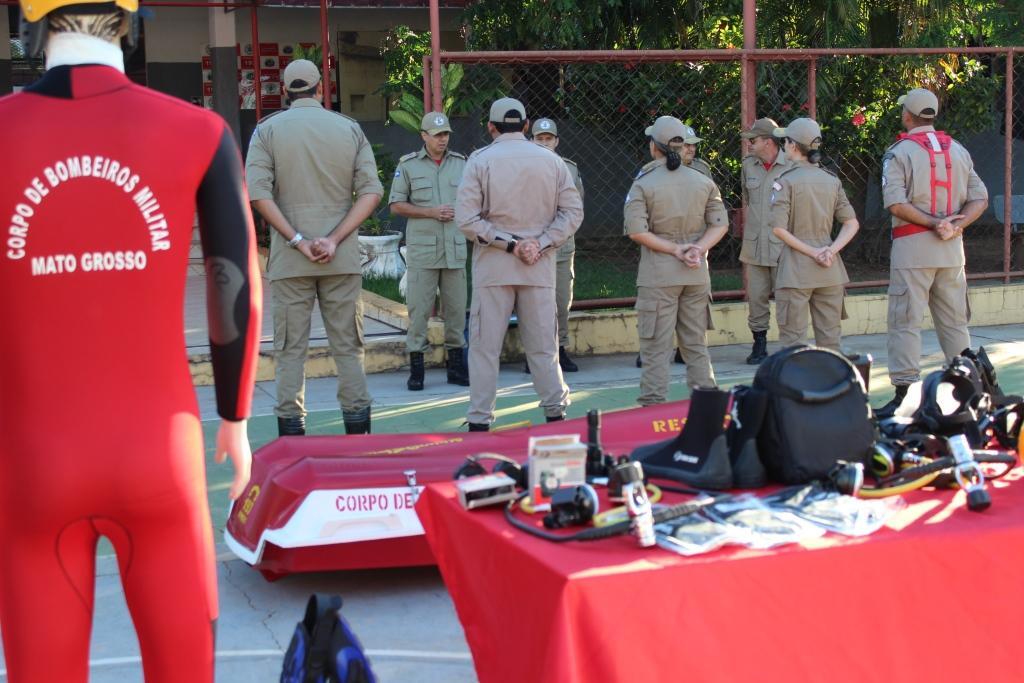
pixel 324 649
pixel 817 414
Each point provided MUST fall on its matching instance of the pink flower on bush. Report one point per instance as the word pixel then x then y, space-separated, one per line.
pixel 622 109
pixel 787 107
pixel 805 106
pixel 858 119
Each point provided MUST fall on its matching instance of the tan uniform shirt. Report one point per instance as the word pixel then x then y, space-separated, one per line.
pixel 807 200
pixel 906 179
pixel 311 161
pixel 569 247
pixel 679 206
pixel 701 166
pixel 760 245
pixel 421 182
pixel 514 186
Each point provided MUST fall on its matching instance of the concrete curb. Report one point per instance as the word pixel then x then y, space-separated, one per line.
pixel 596 333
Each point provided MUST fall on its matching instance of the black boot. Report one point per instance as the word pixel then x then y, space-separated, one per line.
pixel 639 363
pixel 555 418
pixel 526 365
pixel 565 362
pixel 291 426
pixel 679 357
pixel 479 427
pixel 759 351
pixel 889 409
pixel 750 406
pixel 699 456
pixel 357 422
pixel 415 381
pixel 457 369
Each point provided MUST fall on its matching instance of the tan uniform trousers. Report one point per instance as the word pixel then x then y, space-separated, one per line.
pixel 825 306
pixel 662 311
pixel 944 292
pixel 422 286
pixel 488 322
pixel 565 275
pixel 342 311
pixel 760 283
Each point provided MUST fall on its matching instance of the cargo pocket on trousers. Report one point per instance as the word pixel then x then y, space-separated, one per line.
pixel 781 311
pixel 280 327
pixel 359 322
pixel 843 315
pixel 899 305
pixel 474 322
pixel 646 319
pixel 711 323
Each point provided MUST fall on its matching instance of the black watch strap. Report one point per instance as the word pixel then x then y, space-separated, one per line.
pixel 511 246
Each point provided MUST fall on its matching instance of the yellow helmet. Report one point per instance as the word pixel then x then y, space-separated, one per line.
pixel 34 10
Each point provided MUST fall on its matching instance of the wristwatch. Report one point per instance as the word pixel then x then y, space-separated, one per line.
pixel 294 242
pixel 511 246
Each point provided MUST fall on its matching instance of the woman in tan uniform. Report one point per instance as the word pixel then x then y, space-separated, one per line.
pixel 676 215
pixel 806 202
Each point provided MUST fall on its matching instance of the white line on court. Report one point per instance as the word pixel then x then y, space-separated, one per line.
pixel 238 654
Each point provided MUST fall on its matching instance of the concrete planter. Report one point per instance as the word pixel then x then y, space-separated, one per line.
pixel 379 255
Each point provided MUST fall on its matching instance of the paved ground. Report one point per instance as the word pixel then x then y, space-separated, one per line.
pixel 405 617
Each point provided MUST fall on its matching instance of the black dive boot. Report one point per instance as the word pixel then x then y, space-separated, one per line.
pixel 565 362
pixel 457 369
pixel 889 409
pixel 699 456
pixel 357 422
pixel 415 381
pixel 750 406
pixel 291 426
pixel 759 351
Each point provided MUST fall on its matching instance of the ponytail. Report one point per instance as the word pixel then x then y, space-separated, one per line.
pixel 814 156
pixel 672 158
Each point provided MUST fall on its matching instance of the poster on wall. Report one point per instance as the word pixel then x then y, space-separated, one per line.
pixel 272 59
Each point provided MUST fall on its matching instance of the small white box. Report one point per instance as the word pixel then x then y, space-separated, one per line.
pixel 555 461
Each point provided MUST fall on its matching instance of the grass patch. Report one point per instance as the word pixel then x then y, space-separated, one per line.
pixel 383 286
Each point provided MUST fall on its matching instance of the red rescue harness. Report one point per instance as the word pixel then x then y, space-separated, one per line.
pixel 936 143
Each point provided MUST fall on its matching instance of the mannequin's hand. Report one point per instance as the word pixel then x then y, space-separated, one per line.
pixel 233 442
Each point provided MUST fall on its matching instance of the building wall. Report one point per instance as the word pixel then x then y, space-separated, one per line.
pixel 177 38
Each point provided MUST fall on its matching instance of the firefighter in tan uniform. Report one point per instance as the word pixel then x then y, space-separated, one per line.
pixel 676 215
pixel 424 191
pixel 806 202
pixel 689 153
pixel 761 248
pixel 303 168
pixel 517 203
pixel 931 190
pixel 545 133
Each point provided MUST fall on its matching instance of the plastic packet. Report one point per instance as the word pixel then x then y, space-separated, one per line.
pixel 760 526
pixel 694 534
pixel 834 511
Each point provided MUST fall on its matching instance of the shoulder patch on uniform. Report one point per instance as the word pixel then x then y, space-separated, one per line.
pixel 406 157
pixel 570 162
pixel 647 168
pixel 457 155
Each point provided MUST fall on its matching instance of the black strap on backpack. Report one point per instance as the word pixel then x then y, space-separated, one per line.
pixel 321 615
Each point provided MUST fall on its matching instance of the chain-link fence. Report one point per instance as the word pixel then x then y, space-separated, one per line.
pixel 602 102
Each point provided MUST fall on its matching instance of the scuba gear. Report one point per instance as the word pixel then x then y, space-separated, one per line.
pixel 471 467
pixel 748 411
pixel 699 455
pixel 571 506
pixel 631 474
pixel 815 397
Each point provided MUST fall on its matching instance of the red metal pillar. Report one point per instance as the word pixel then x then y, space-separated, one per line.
pixel 812 89
pixel 325 41
pixel 749 76
pixel 435 54
pixel 258 85
pixel 1008 169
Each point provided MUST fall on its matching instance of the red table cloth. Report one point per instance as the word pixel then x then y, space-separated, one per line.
pixel 935 596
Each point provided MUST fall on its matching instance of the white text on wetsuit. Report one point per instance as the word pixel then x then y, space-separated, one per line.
pixel 72 168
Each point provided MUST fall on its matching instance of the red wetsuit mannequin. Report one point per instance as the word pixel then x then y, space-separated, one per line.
pixel 98 417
